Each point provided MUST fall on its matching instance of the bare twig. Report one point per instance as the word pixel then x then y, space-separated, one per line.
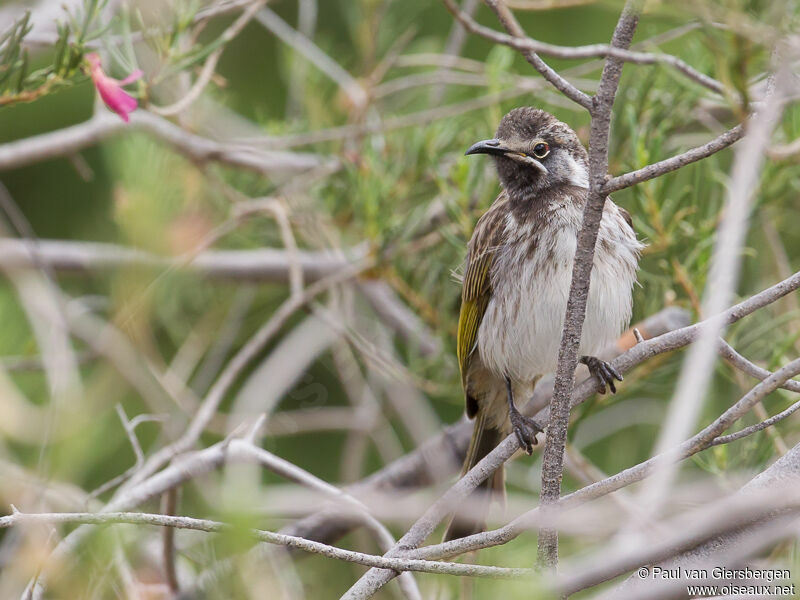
pixel 676 162
pixel 526 45
pixel 294 473
pixel 130 430
pixel 701 441
pixel 772 493
pixel 744 365
pixel 180 522
pixel 235 367
pixel 727 439
pixel 262 265
pixel 69 140
pixel 553 457
pixel 170 506
pixel 375 578
pixel 530 54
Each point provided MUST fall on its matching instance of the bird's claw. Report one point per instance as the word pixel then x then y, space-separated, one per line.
pixel 526 430
pixel 603 371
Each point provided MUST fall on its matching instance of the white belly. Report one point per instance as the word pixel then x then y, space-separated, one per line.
pixel 521 330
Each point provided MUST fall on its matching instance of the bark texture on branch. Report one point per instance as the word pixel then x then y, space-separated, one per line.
pixel 603 102
pixel 726 549
pixel 68 141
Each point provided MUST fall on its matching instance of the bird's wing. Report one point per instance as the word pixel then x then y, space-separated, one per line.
pixel 476 290
pixel 475 295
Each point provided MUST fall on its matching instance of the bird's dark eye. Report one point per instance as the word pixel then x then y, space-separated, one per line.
pixel 541 150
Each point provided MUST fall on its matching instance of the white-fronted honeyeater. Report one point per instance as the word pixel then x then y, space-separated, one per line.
pixel 517 280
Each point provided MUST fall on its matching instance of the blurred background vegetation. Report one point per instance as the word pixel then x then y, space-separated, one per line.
pixel 402 187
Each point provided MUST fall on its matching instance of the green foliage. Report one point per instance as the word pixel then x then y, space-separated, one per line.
pixel 18 83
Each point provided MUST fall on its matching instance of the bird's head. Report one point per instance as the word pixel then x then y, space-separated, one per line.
pixel 533 150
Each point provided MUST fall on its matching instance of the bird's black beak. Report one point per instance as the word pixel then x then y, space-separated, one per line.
pixel 488 147
pixel 498 148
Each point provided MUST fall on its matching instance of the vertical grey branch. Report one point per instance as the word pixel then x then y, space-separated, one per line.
pixel 602 103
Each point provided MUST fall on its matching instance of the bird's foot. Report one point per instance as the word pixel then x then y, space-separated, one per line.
pixel 603 371
pixel 526 430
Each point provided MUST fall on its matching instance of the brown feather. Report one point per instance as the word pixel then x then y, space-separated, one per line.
pixel 476 289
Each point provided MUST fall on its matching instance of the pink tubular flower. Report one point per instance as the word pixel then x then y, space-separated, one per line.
pixel 110 89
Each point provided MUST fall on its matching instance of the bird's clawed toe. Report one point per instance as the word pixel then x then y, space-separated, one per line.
pixel 526 430
pixel 603 371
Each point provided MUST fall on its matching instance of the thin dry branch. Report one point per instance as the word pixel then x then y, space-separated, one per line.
pixel 181 522
pixel 727 352
pixel 555 444
pixel 292 472
pixel 701 441
pixel 517 33
pixel 68 141
pixel 169 506
pixel 771 493
pixel 527 45
pixel 262 265
pixel 675 162
pixel 704 527
pixel 727 439
pixel 376 578
pixel 236 366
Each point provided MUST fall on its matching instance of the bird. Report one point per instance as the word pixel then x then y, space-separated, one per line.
pixel 516 282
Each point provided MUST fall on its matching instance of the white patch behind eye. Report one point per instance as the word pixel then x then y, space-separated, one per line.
pixel 528 160
pixel 578 175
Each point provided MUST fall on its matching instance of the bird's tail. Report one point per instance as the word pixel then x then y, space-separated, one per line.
pixel 484 439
